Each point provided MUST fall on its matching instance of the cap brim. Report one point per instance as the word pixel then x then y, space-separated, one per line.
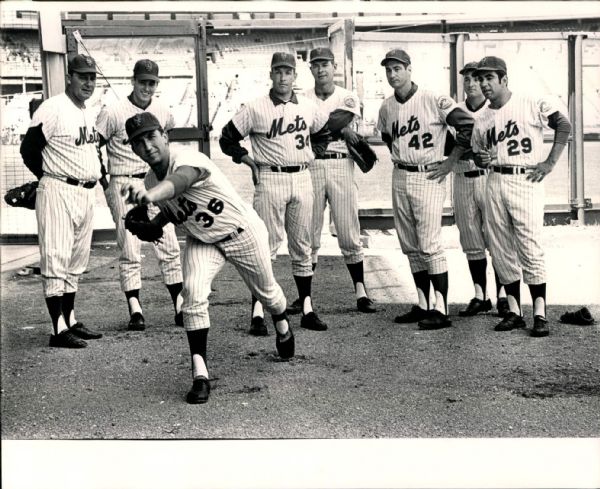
pixel 279 65
pixel 142 131
pixel 466 70
pixel 84 70
pixel 478 70
pixel 387 60
pixel 322 58
pixel 146 76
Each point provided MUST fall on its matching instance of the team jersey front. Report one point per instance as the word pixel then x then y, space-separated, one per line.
pixel 210 209
pixel 339 99
pixel 514 133
pixel 72 139
pixel 111 126
pixel 417 126
pixel 466 162
pixel 280 131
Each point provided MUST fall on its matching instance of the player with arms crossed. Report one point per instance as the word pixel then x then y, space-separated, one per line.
pixel 333 173
pixel 124 166
pixel 280 125
pixel 193 193
pixel 508 139
pixel 469 208
pixel 61 149
pixel 413 123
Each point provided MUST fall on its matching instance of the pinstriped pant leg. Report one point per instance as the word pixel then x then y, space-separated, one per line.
pixel 167 251
pixel 343 198
pixel 270 199
pixel 318 176
pixel 55 235
pixel 404 221
pixel 298 223
pixel 469 218
pixel 130 267
pixel 201 263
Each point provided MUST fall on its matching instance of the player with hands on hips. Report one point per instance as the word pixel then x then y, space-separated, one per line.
pixel 61 150
pixel 332 173
pixel 124 168
pixel 413 124
pixel 280 126
pixel 469 208
pixel 193 193
pixel 508 139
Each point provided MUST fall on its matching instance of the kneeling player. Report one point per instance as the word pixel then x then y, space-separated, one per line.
pixel 194 194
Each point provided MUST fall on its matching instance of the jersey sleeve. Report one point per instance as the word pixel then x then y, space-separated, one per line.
pixel 320 118
pixel 545 108
pixel 46 115
pixel 444 105
pixel 382 119
pixel 351 103
pixel 103 123
pixel 242 120
pixel 477 142
pixel 195 160
pixel 170 124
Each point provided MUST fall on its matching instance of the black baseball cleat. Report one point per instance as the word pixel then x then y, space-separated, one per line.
pixel 510 322
pixel 502 307
pixel 179 319
pixel 415 315
pixel 136 322
pixel 364 304
pixel 295 307
pixel 200 391
pixel 258 327
pixel 476 306
pixel 435 320
pixel 78 329
pixel 312 321
pixel 285 343
pixel 66 339
pixel 540 327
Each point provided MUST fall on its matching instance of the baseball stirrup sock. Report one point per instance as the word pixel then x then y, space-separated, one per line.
pixel 175 289
pixel 423 285
pixel 538 297
pixel 478 274
pixel 500 292
pixel 54 305
pixel 440 285
pixel 68 305
pixel 281 322
pixel 133 301
pixel 257 308
pixel 197 339
pixel 513 295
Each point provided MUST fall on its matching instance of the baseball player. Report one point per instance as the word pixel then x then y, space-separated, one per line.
pixel 280 125
pixel 61 149
pixel 124 167
pixel 508 138
pixel 469 208
pixel 195 195
pixel 332 173
pixel 413 123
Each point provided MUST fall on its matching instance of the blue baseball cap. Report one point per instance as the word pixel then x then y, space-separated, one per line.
pixel 396 55
pixel 283 59
pixel 141 123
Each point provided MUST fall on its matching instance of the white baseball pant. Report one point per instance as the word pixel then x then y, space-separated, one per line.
pixel 469 213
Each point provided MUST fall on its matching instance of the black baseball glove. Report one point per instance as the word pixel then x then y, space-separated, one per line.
pixel 362 154
pixel 139 224
pixel 22 196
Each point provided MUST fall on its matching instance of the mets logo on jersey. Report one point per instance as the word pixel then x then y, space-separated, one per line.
pixel 86 138
pixel 444 103
pixel 349 102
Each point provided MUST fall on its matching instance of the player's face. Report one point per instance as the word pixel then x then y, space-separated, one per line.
pixel 283 81
pixel 152 147
pixel 492 87
pixel 143 90
pixel 398 75
pixel 322 71
pixel 82 85
pixel 471 85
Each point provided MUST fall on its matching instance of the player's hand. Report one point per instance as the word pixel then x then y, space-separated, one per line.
pixel 540 171
pixel 440 172
pixel 483 159
pixel 350 136
pixel 135 194
pixel 255 171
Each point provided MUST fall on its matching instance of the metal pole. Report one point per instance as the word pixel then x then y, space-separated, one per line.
pixel 202 89
pixel 459 62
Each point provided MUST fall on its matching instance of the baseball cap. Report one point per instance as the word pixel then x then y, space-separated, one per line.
pixel 491 63
pixel 321 53
pixel 472 66
pixel 82 64
pixel 396 55
pixel 283 59
pixel 141 123
pixel 145 69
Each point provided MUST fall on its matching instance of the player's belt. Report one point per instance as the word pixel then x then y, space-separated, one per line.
pixel 332 156
pixel 135 175
pixel 419 168
pixel 474 173
pixel 288 169
pixel 511 170
pixel 73 181
pixel 229 237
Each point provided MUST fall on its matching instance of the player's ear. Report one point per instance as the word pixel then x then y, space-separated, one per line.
pixel 409 68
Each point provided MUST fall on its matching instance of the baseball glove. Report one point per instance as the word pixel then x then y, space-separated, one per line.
pixel 581 317
pixel 362 154
pixel 138 223
pixel 22 196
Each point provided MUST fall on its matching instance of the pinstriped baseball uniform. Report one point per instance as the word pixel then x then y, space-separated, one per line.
pixel 220 227
pixel 65 212
pixel 515 206
pixel 122 163
pixel 333 181
pixel 417 127
pixel 469 199
pixel 280 136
